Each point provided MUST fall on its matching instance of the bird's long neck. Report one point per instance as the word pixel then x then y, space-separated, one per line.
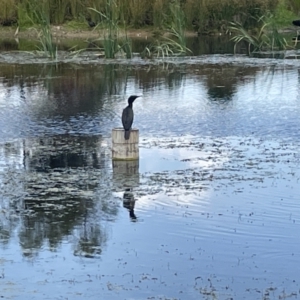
pixel 130 104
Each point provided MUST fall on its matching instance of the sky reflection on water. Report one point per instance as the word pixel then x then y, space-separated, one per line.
pixel 214 194
pixel 198 100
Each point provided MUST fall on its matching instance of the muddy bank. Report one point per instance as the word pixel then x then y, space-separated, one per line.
pixel 62 31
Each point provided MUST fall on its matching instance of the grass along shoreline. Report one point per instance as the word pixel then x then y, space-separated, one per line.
pixel 63 31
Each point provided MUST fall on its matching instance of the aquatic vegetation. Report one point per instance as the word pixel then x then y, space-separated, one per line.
pixel 282 15
pixel 200 15
pixel 137 13
pixel 295 5
pixel 46 41
pixel 163 48
pixel 39 15
pixel 214 15
pixel 112 43
pixel 177 26
pixel 174 43
pixel 159 15
pixel 266 38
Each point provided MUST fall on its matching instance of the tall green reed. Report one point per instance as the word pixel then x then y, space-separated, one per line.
pixel 8 10
pixel 38 13
pixel 174 43
pixel 177 26
pixel 294 5
pixel 58 10
pixel 202 15
pixel 113 44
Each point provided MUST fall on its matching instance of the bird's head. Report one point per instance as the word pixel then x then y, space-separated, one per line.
pixel 132 98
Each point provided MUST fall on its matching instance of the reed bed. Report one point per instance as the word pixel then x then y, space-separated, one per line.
pixel 267 37
pixel 171 16
pixel 110 21
pixel 199 14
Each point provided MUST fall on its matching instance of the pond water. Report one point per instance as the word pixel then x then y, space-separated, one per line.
pixel 210 211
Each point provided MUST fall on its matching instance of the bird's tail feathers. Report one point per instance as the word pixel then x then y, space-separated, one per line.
pixel 127 134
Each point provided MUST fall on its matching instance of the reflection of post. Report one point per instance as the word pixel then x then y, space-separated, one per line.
pixel 125 174
pixel 129 168
pixel 125 178
pixel 125 149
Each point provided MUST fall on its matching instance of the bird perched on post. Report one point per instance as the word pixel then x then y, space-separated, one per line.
pixel 127 117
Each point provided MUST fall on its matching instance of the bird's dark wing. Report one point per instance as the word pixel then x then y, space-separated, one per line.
pixel 296 22
pixel 127 118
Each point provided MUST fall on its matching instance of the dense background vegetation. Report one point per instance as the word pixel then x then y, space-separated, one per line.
pixel 201 15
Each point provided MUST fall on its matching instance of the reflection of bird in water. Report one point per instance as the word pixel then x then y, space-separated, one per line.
pixel 127 117
pixel 132 215
pixel 128 195
pixel 129 202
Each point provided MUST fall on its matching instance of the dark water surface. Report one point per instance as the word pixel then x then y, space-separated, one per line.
pixel 210 211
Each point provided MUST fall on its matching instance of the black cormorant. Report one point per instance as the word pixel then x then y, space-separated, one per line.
pixel 90 22
pixel 127 117
pixel 296 22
